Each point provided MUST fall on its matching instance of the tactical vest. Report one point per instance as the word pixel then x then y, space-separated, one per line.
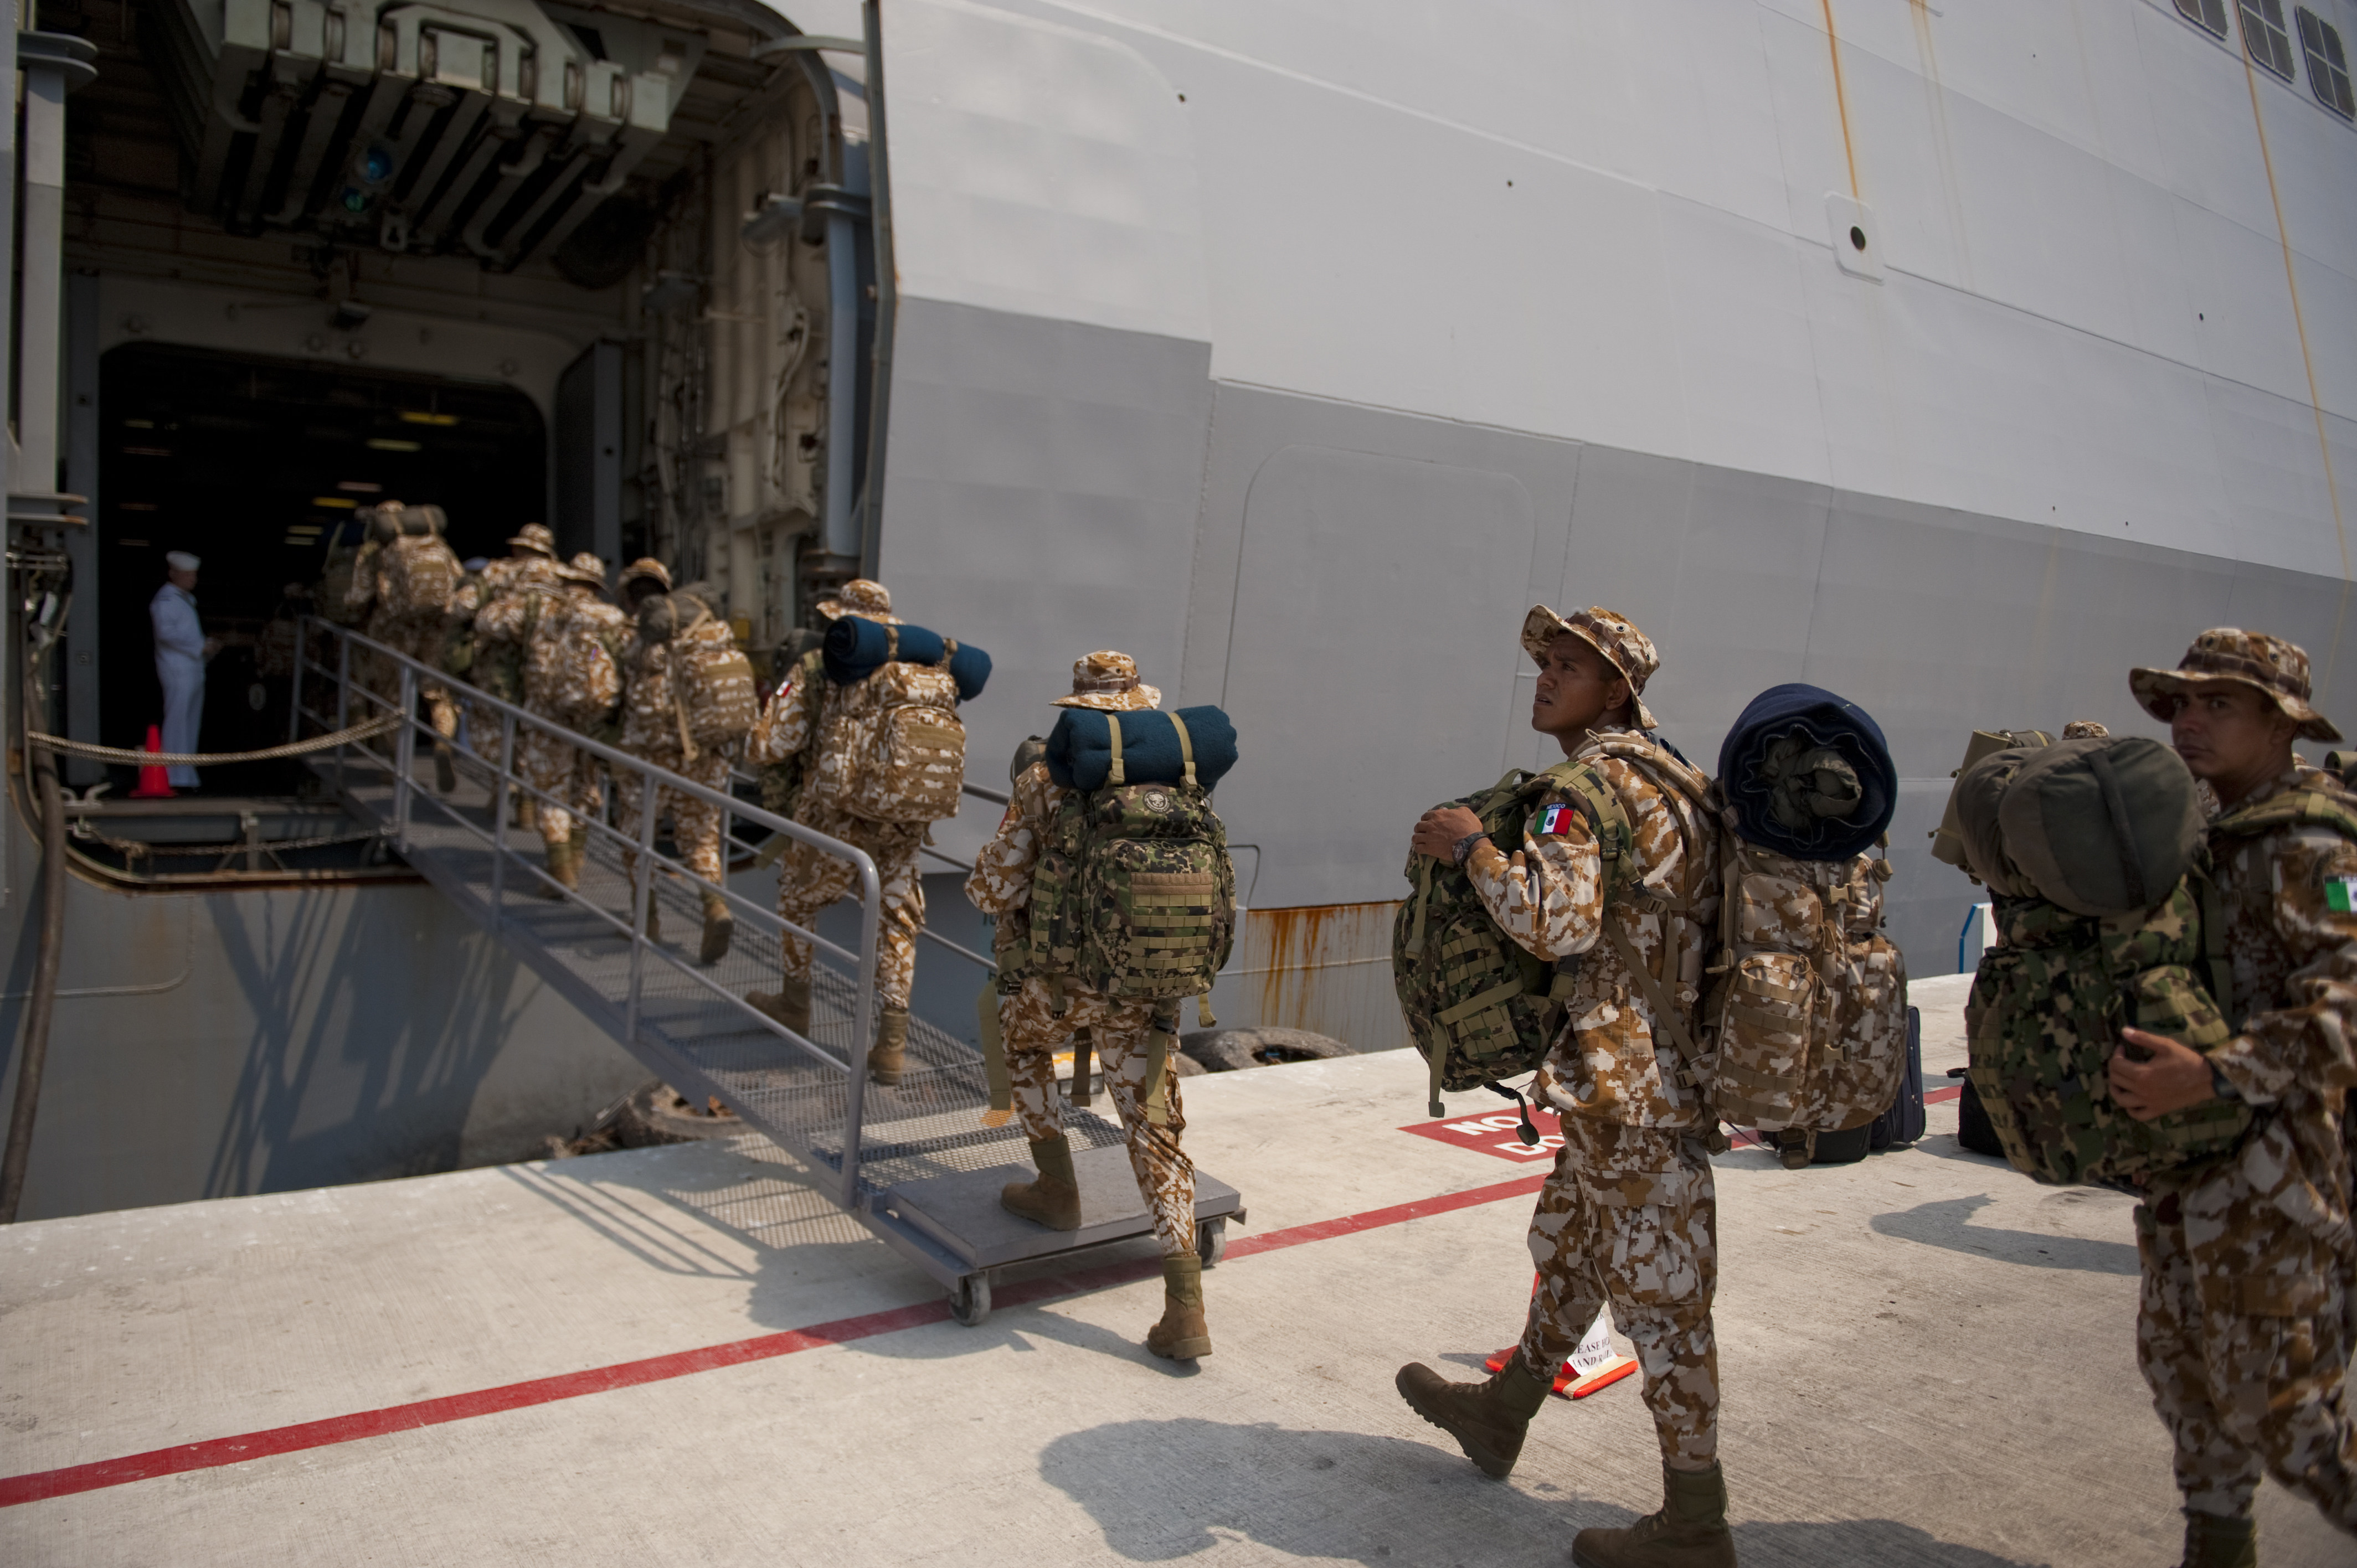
pixel 415 576
pixel 713 689
pixel 1132 894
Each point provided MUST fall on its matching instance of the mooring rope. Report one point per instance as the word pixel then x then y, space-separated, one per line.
pixel 374 726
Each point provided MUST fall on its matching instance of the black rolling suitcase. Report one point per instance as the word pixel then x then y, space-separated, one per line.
pixel 1903 1122
pixel 1973 1129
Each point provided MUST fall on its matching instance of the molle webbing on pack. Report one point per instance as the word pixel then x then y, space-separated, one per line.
pixel 1133 893
pixel 994 1056
pixel 2044 1019
pixel 1479 1006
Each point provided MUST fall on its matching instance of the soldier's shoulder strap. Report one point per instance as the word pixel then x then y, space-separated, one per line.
pixel 2310 806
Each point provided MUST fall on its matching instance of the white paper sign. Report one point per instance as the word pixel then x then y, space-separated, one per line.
pixel 1597 1349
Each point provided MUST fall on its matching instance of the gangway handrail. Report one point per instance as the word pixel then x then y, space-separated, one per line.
pixel 414 675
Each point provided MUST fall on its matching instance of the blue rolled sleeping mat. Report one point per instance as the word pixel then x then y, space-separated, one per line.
pixel 1080 749
pixel 855 649
pixel 1808 774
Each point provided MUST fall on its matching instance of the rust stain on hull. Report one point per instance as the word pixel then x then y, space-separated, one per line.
pixel 1315 966
pixel 1841 97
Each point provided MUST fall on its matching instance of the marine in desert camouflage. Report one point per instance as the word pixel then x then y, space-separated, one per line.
pixel 802 734
pixel 2244 1332
pixel 657 695
pixel 1134 1038
pixel 571 678
pixel 1628 1216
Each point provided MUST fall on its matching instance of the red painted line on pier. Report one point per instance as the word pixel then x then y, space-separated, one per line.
pixel 214 1452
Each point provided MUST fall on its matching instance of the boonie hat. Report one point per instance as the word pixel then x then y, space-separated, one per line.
pixel 535 537
pixel 587 567
pixel 861 596
pixel 648 567
pixel 1624 648
pixel 1107 681
pixel 2269 664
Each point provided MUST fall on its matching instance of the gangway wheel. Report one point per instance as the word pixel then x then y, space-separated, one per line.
pixel 1211 1240
pixel 970 1302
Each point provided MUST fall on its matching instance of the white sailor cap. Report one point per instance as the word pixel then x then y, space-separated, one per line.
pixel 180 560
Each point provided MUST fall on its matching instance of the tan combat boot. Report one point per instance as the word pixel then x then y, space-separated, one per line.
pixel 564 862
pixel 2214 1540
pixel 719 927
pixel 654 916
pixel 527 810
pixel 1053 1199
pixel 553 862
pixel 789 1005
pixel 1183 1335
pixel 889 1054
pixel 1689 1532
pixel 1489 1419
pixel 445 768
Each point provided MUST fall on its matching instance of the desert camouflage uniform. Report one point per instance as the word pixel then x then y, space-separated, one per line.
pixel 417 633
pixel 1628 1216
pixel 2244 1334
pixel 494 602
pixel 1034 1021
pixel 801 710
pixel 566 683
pixel 650 729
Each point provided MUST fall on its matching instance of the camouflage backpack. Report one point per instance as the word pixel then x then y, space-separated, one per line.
pixel 1478 1005
pixel 1808 1012
pixel 909 765
pixel 1133 894
pixel 2073 840
pixel 416 574
pixel 714 695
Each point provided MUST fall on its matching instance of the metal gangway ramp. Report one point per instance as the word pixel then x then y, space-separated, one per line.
pixel 914 1163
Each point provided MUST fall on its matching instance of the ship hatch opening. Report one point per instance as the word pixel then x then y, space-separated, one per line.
pixel 260 468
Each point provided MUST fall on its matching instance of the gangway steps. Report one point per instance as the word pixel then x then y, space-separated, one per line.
pixel 918 1163
pixel 698 1039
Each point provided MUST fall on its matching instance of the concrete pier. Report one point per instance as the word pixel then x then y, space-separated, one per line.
pixel 687 1355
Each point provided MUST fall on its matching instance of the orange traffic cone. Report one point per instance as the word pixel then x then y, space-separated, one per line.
pixel 154 784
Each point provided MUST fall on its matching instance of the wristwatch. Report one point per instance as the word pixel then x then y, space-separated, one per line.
pixel 1463 849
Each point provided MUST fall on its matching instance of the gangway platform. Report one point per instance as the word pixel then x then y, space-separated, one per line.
pixel 692 1354
pixel 913 1161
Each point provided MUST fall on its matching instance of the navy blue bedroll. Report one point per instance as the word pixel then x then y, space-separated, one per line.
pixel 855 649
pixel 1080 749
pixel 1825 720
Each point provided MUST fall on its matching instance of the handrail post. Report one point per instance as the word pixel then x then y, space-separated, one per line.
pixel 302 658
pixel 863 1024
pixel 641 891
pixel 500 798
pixel 343 700
pixel 404 754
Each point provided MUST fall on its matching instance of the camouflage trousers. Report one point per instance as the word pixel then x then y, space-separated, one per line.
pixel 808 881
pixel 694 824
pixel 573 780
pixel 1151 1115
pixel 497 670
pixel 2244 1337
pixel 1628 1219
pixel 420 637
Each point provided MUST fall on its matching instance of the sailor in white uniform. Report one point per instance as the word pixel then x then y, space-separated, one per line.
pixel 181 649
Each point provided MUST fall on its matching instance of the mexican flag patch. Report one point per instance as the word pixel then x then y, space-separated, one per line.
pixel 1559 819
pixel 2341 894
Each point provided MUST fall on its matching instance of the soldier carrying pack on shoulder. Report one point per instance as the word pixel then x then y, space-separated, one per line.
pixel 2244 1332
pixel 1611 879
pixel 1109 877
